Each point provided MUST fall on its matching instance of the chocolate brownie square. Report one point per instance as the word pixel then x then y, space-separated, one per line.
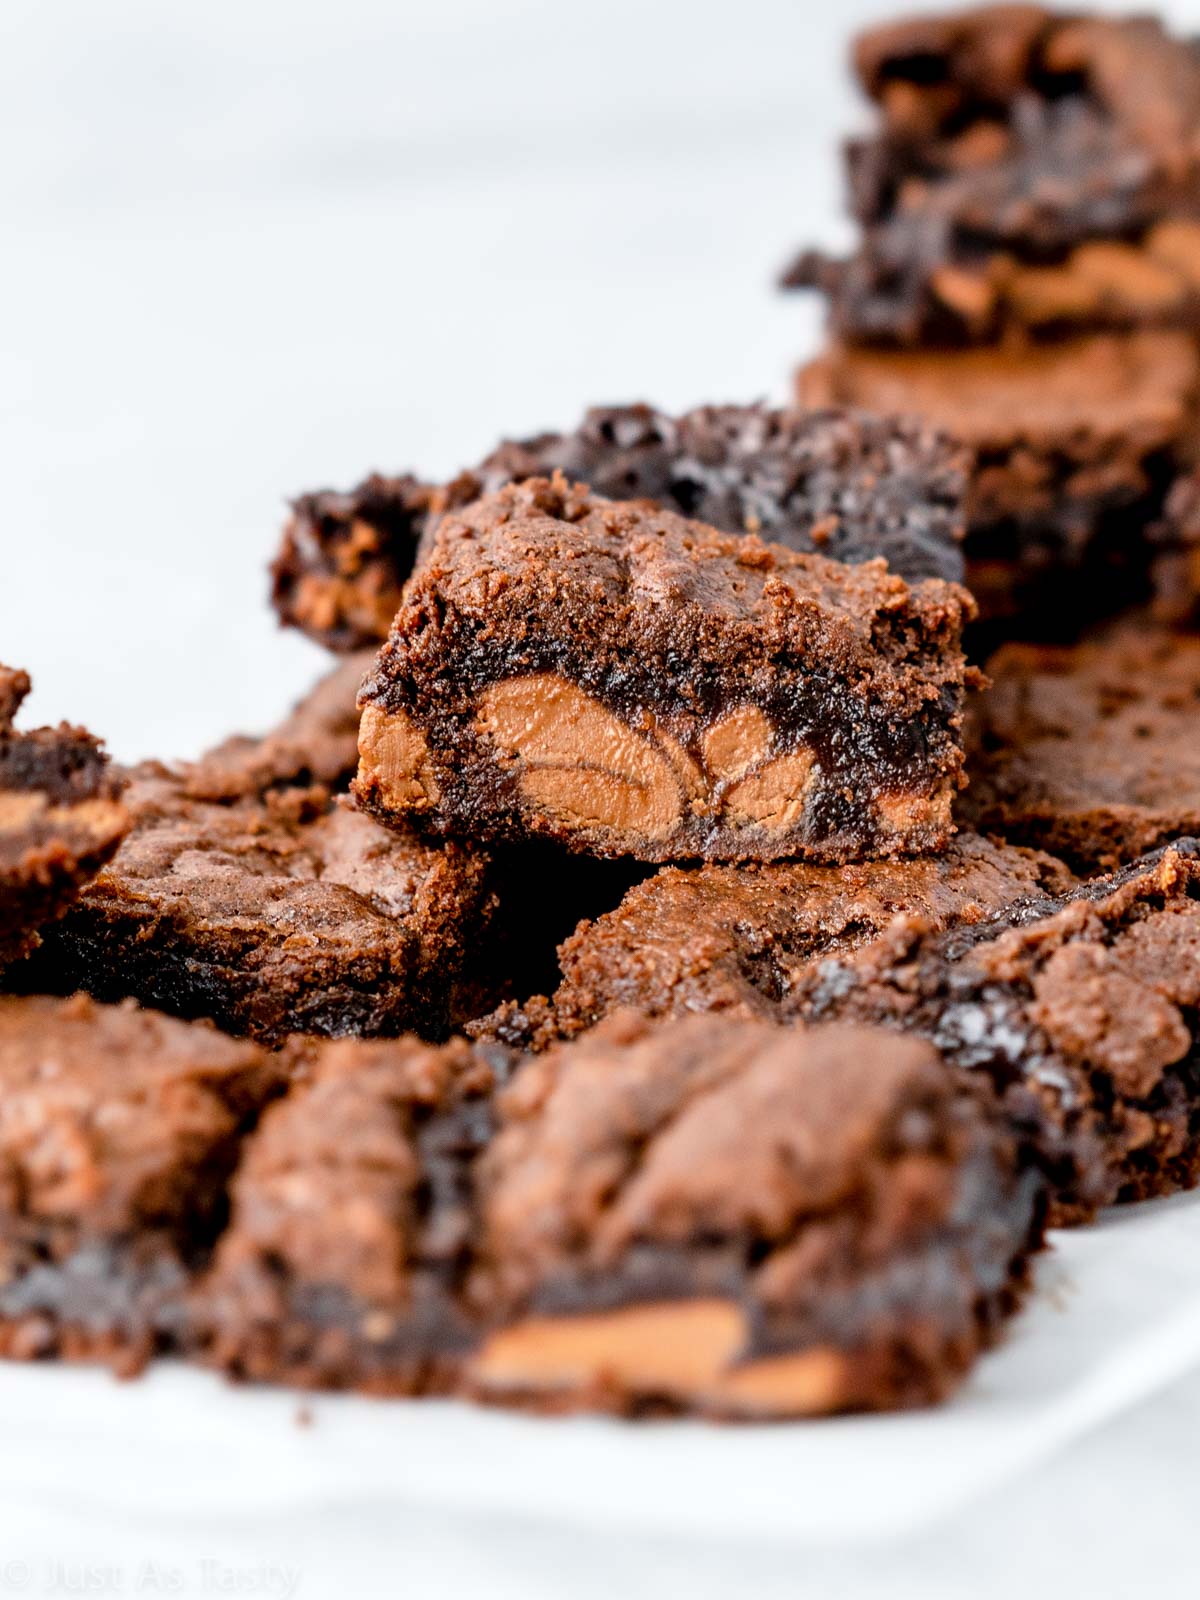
pixel 1090 750
pixel 850 486
pixel 626 682
pixel 746 1221
pixel 1075 447
pixel 61 819
pixel 1085 1017
pixel 288 913
pixel 1034 173
pixel 352 1224
pixel 739 938
pixel 118 1129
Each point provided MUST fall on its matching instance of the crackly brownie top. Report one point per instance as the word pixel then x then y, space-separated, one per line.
pixel 259 873
pixel 1083 1014
pixel 849 485
pixel 316 744
pixel 717 938
pixel 549 577
pixel 720 1156
pixel 359 1181
pixel 1090 749
pixel 1016 123
pixel 115 1120
pixel 1117 395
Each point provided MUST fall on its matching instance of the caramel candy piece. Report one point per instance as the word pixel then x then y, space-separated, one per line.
pixel 628 683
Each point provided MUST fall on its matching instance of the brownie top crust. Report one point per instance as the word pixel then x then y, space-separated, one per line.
pixel 1089 750
pixel 290 912
pixel 846 484
pixel 115 1120
pixel 1125 394
pixel 656 592
pixel 717 938
pixel 1083 1014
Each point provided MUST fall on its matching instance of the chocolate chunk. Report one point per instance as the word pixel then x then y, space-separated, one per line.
pixel 738 939
pixel 118 1129
pixel 60 820
pixel 628 683
pixel 1083 1017
pixel 850 486
pixel 1090 750
pixel 746 1221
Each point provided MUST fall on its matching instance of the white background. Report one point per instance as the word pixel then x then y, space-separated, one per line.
pixel 254 248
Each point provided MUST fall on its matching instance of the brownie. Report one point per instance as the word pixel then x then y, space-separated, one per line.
pixel 1075 447
pixel 746 1221
pixel 316 744
pixel 848 485
pixel 1033 173
pixel 737 938
pixel 1090 750
pixel 61 819
pixel 118 1129
pixel 626 682
pixel 288 913
pixel 1085 1015
pixel 352 1222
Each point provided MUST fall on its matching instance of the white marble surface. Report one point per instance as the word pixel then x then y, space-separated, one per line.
pixel 254 247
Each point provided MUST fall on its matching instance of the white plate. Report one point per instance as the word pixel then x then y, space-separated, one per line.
pixel 1116 1316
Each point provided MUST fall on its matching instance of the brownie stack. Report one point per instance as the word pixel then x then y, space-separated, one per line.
pixel 655 970
pixel 1028 276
